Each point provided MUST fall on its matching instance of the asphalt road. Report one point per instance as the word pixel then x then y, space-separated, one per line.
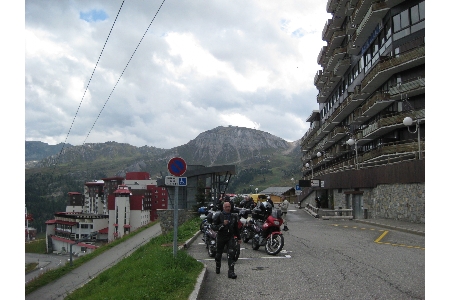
pixel 323 259
pixel 45 261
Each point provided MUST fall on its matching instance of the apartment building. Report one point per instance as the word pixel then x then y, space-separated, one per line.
pixel 366 142
pixel 108 209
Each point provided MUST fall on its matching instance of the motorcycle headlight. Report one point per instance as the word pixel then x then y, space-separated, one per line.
pixel 213 242
pixel 276 223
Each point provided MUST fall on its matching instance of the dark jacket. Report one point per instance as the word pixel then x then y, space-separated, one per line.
pixel 225 232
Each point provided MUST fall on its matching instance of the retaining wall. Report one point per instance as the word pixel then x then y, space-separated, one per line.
pixel 165 217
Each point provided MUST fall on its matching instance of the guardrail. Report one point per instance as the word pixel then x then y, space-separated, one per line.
pixel 312 210
pixel 337 213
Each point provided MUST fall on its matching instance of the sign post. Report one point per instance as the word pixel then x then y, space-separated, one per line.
pixel 176 167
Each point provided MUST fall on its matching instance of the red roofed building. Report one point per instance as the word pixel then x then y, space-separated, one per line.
pixel 134 204
pixel 111 207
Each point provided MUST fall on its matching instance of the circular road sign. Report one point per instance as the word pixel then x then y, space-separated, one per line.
pixel 176 166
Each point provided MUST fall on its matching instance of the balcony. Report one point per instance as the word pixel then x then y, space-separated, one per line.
pixel 337 134
pixel 376 103
pixel 389 66
pixel 346 108
pixel 411 87
pixel 313 129
pixel 358 13
pixel 369 22
pixel 319 79
pixel 388 124
pixel 328 30
pixel 387 151
pixel 321 59
pixel 331 5
pixel 336 39
pixel 342 66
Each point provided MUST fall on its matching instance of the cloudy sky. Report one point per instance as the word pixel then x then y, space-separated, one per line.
pixel 94 74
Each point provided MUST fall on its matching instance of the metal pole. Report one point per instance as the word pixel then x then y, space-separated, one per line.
pixel 418 138
pixel 175 223
pixel 356 147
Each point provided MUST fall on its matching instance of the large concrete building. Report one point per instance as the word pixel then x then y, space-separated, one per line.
pixel 110 208
pixel 366 141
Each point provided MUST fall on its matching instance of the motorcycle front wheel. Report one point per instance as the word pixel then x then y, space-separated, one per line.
pixel 245 235
pixel 274 244
pixel 255 243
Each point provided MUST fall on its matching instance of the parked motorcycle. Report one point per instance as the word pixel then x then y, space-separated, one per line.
pixel 268 234
pixel 209 238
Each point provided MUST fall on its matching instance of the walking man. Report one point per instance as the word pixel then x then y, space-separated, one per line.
pixel 226 225
pixel 284 208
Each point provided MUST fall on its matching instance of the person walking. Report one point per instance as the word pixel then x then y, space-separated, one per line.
pixel 225 224
pixel 284 205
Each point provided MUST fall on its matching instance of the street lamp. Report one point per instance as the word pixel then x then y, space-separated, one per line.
pixel 407 121
pixel 352 142
pixel 307 165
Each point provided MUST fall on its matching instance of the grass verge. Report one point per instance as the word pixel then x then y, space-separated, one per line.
pixel 36 246
pixel 54 274
pixel 151 272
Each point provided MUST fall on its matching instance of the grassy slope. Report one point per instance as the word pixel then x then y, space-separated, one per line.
pixel 151 272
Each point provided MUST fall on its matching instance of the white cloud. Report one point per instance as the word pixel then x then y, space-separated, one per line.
pixel 199 66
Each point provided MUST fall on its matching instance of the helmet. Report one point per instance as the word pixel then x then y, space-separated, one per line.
pixel 265 206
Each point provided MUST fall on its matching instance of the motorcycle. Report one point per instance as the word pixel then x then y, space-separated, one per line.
pixel 268 234
pixel 209 237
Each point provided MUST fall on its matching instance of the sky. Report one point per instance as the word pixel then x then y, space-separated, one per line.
pixel 94 74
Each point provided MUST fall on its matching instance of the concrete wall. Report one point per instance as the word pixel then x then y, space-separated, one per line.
pixel 387 201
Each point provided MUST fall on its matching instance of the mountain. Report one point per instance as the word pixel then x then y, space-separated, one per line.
pixel 261 160
pixel 35 151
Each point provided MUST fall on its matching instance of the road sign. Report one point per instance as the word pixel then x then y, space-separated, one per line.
pixel 176 166
pixel 315 182
pixel 176 181
pixel 298 188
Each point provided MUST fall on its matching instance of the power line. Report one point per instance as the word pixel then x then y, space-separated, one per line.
pixel 87 86
pixel 123 71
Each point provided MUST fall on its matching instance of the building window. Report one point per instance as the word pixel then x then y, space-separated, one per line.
pixel 408 21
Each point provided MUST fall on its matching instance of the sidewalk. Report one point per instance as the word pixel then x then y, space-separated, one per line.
pixel 405 226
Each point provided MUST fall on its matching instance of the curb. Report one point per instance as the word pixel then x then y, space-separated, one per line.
pixel 190 241
pixel 418 232
pixel 198 285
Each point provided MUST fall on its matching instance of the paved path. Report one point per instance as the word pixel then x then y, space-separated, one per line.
pixel 81 275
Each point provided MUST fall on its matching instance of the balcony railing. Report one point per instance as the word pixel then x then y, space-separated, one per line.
pixel 378 96
pixel 392 120
pixel 383 155
pixel 393 62
pixel 408 86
